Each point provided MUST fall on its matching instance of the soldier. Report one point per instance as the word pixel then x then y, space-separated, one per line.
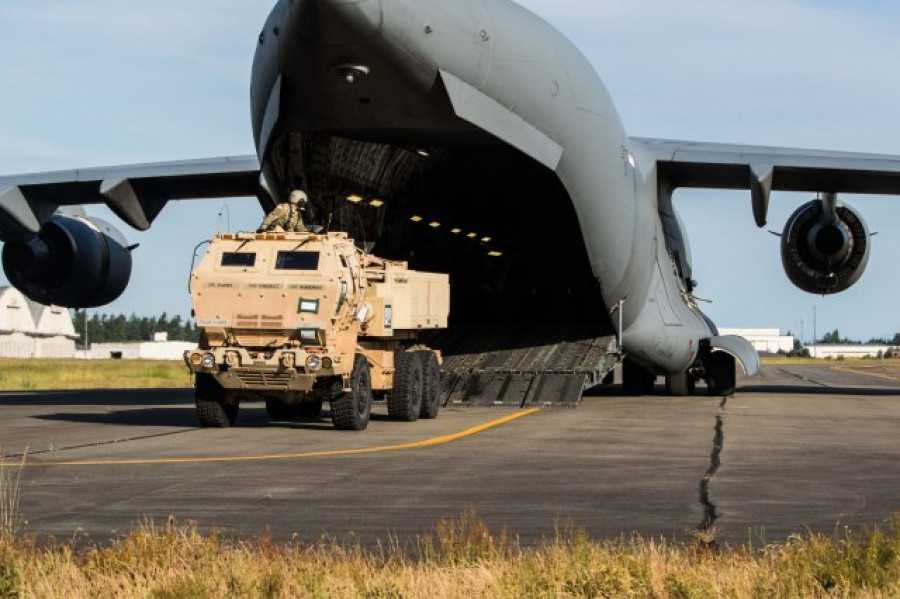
pixel 287 216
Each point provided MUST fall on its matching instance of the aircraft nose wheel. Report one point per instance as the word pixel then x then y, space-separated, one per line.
pixel 720 374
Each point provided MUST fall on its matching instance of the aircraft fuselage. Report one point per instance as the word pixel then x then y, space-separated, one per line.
pixel 475 117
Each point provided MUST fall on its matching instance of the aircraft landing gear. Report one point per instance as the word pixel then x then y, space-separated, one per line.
pixel 720 374
pixel 637 380
pixel 681 384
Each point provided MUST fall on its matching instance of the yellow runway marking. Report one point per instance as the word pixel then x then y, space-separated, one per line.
pixel 293 456
pixel 861 370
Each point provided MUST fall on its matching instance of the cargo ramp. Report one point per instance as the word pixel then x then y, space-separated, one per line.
pixel 523 366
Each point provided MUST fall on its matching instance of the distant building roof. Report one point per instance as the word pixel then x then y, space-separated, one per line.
pixel 19 314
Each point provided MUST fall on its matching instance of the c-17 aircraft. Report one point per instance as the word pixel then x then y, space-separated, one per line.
pixel 494 153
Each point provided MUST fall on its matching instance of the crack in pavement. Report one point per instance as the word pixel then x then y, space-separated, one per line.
pixel 54 450
pixel 710 510
pixel 803 378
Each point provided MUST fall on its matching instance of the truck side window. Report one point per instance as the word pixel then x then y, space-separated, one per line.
pixel 297 261
pixel 246 259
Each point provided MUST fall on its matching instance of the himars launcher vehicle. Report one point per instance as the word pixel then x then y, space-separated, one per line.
pixel 296 319
pixel 472 138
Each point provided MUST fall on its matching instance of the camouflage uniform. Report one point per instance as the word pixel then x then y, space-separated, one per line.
pixel 286 217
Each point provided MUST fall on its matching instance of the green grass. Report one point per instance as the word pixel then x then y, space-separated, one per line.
pixel 460 558
pixel 40 375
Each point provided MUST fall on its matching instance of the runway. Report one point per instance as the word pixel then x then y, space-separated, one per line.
pixel 798 448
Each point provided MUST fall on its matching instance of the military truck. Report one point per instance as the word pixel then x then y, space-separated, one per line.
pixel 298 319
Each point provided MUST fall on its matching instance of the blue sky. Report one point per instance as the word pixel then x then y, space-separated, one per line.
pixel 119 81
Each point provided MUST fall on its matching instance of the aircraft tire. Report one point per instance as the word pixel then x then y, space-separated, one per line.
pixel 404 400
pixel 212 410
pixel 431 385
pixel 637 380
pixel 720 374
pixel 681 384
pixel 352 411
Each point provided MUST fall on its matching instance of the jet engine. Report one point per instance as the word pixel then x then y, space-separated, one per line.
pixel 825 246
pixel 77 262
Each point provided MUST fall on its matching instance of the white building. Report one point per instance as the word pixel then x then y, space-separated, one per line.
pixel 847 351
pixel 140 350
pixel 767 341
pixel 32 330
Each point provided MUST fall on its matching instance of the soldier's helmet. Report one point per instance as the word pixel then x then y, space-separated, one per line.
pixel 298 197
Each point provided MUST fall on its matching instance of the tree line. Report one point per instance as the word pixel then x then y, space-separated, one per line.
pixel 835 338
pixel 113 328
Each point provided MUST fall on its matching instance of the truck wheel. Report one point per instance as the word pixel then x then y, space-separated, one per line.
pixel 351 411
pixel 431 385
pixel 405 398
pixel 720 376
pixel 212 411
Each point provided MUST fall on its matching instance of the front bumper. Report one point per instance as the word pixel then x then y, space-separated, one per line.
pixel 277 370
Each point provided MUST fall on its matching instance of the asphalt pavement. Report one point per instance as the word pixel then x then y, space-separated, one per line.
pixel 799 448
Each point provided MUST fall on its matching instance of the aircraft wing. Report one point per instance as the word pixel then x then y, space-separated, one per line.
pixel 136 193
pixel 763 169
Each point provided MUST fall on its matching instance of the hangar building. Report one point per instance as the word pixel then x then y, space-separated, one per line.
pixel 32 330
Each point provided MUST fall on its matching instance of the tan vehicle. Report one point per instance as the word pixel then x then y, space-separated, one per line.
pixel 297 319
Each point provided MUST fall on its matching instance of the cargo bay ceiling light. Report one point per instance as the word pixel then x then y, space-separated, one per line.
pixel 434 225
pixel 376 203
pixel 495 254
pixel 486 239
pixel 416 219
pixel 456 231
pixel 472 235
pixel 351 72
pixel 355 199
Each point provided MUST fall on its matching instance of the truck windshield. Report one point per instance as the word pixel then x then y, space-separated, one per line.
pixel 297 261
pixel 239 259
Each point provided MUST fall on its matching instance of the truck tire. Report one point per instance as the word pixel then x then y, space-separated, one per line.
pixel 212 411
pixel 405 398
pixel 351 411
pixel 721 379
pixel 431 385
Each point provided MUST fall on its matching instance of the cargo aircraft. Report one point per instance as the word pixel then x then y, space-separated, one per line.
pixel 469 137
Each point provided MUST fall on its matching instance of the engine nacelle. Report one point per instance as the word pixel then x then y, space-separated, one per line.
pixel 74 262
pixel 825 247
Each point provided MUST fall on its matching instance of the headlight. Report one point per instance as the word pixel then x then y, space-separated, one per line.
pixel 195 359
pixel 208 361
pixel 327 363
pixel 288 360
pixel 313 362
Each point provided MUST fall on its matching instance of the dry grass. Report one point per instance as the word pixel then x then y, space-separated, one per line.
pixel 460 559
pixel 10 479
pixel 28 375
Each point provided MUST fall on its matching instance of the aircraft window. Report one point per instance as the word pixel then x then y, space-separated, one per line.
pixel 297 261
pixel 246 259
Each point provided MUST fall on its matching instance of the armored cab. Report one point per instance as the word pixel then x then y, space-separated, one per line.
pixel 298 319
